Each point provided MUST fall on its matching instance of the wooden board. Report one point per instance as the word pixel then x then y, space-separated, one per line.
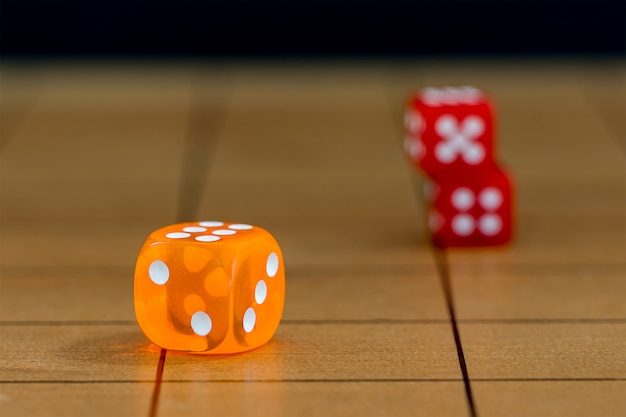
pixel 95 156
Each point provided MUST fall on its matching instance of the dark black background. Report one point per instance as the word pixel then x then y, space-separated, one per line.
pixel 310 28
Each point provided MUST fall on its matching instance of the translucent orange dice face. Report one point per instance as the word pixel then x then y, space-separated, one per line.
pixel 209 287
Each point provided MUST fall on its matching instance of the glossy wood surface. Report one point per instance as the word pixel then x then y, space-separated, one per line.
pixel 93 157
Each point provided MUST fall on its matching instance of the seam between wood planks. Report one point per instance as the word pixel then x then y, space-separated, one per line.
pixel 444 276
pixel 154 401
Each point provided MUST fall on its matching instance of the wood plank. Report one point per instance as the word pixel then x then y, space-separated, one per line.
pixel 98 400
pixel 48 294
pixel 76 353
pixel 547 350
pixel 331 352
pixel 314 399
pixel 94 245
pixel 551 398
pixel 373 294
pixel 539 292
pixel 105 293
pixel 317 352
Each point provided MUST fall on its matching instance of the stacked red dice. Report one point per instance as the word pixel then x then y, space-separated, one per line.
pixel 449 136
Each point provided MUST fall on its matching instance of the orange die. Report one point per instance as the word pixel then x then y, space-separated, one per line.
pixel 209 287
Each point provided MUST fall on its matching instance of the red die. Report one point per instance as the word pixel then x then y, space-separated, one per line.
pixel 449 130
pixel 472 211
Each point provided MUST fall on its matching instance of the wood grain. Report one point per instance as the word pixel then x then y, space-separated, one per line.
pixel 539 292
pixel 94 157
pixel 61 352
pixel 80 399
pixel 545 350
pixel 551 398
pixel 315 399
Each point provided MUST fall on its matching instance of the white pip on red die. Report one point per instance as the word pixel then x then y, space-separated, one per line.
pixel 449 130
pixel 209 287
pixel 472 210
